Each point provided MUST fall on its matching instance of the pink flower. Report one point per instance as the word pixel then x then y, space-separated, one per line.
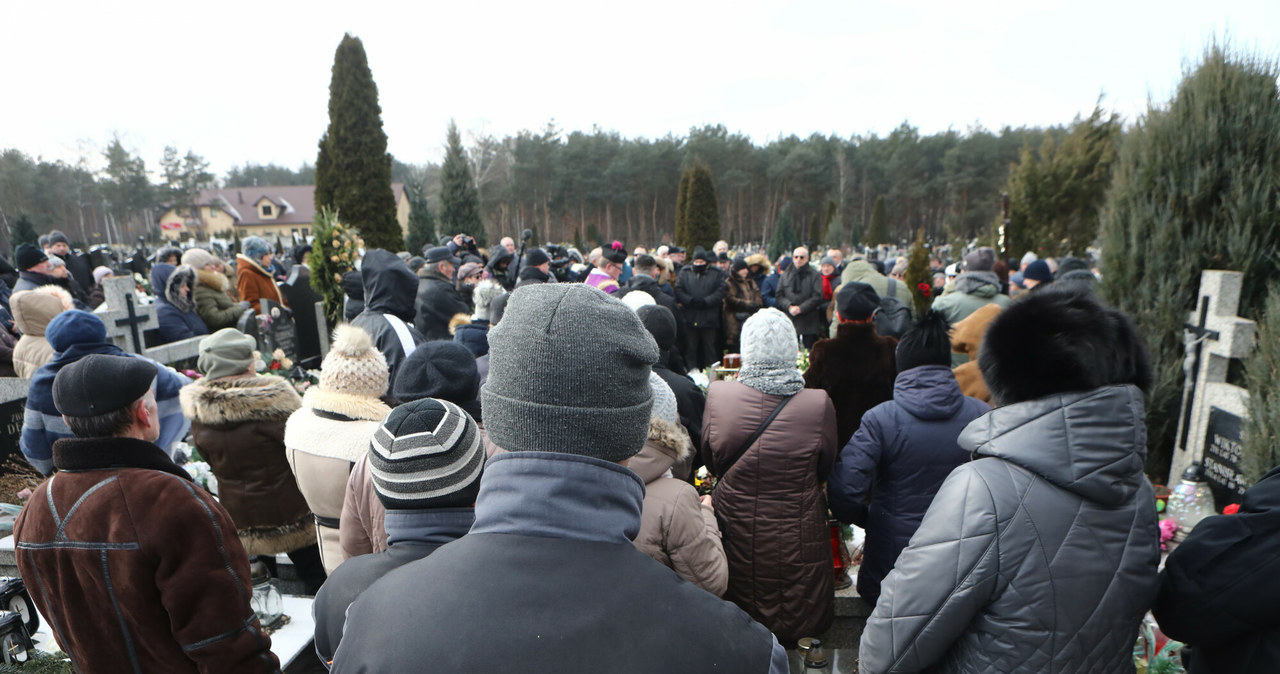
pixel 1167 529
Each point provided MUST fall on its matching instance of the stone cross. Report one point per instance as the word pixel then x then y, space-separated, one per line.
pixel 1214 336
pixel 124 317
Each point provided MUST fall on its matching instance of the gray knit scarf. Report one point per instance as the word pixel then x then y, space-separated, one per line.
pixel 775 378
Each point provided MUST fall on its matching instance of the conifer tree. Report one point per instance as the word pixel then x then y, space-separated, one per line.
pixel 702 209
pixel 1055 193
pixel 353 169
pixel 784 235
pixel 459 200
pixel 22 231
pixel 919 278
pixel 682 209
pixel 422 222
pixel 876 233
pixel 1196 186
pixel 1261 436
pixel 577 239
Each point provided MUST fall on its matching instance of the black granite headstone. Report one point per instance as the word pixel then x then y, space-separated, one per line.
pixel 1222 449
pixel 11 416
pixel 280 332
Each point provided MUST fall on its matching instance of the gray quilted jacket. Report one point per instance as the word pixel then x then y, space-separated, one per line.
pixel 1040 556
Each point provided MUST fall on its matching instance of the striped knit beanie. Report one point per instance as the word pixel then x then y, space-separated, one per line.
pixel 426 454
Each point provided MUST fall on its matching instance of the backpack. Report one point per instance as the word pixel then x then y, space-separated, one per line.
pixel 894 318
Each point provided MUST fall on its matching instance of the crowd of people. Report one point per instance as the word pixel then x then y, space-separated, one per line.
pixel 498 464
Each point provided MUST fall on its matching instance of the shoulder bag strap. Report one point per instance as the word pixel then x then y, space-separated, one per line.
pixel 724 470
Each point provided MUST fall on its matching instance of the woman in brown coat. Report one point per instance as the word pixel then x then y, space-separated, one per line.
pixel 237 422
pixel 770 501
pixel 253 281
pixel 676 529
pixel 742 300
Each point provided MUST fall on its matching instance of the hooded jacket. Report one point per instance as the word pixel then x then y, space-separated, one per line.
pixel 499 268
pixel 437 304
pixel 389 289
pixel 857 369
pixel 1219 587
pixel 675 528
pixel 136 568
pixel 966 338
pixel 74 336
pixel 175 314
pixel 32 311
pixel 973 290
pixel 1038 556
pixel 897 460
pixel 771 506
pixel 213 306
pixel 238 427
pixel 254 283
pixel 323 439
pixel 556 587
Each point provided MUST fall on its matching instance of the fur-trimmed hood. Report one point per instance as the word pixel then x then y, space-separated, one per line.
pixel 667 445
pixel 223 401
pixel 212 279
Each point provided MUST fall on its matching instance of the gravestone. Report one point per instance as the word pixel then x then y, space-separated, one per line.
pixel 13 400
pixel 302 299
pixel 125 318
pixel 279 332
pixel 1213 409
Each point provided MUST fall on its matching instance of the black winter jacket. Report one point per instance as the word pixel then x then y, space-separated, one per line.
pixel 700 293
pixel 1220 587
pixel 388 291
pixel 802 286
pixel 437 303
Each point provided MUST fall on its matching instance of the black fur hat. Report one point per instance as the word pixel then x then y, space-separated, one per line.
pixel 1060 340
pixel 928 342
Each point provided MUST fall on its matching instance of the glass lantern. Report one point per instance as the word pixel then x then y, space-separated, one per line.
pixel 1190 501
pixel 267 602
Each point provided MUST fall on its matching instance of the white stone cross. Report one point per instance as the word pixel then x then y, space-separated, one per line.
pixel 1214 335
pixel 124 317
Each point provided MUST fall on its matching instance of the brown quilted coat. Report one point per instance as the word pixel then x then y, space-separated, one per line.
pixel 253 283
pixel 772 508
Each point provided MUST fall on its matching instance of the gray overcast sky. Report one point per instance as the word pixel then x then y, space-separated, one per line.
pixel 248 81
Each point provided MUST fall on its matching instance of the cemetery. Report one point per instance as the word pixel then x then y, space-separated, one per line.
pixel 743 396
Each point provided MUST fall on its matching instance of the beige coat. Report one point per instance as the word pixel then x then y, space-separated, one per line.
pixel 32 311
pixel 675 528
pixel 322 450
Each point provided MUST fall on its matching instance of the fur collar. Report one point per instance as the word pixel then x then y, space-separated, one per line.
pixel 114 453
pixel 240 259
pixel 228 401
pixel 356 407
pixel 667 445
pixel 212 279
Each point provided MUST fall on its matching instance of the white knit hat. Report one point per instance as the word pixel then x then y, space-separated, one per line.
pixel 637 299
pixel 769 337
pixel 664 400
pixel 353 365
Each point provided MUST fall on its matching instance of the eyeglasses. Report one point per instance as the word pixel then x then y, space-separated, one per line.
pixel 802 257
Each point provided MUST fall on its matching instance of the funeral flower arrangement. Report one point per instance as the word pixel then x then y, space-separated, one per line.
pixel 281 365
pixel 334 252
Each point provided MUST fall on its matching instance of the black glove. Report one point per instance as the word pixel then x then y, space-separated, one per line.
pixel 697 303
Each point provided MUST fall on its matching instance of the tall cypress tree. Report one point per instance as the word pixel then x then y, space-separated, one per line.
pixel 682 209
pixel 353 169
pixel 422 222
pixel 784 234
pixel 22 231
pixel 702 209
pixel 459 200
pixel 1196 186
pixel 876 233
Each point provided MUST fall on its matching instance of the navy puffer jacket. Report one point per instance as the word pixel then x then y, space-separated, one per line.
pixel 896 460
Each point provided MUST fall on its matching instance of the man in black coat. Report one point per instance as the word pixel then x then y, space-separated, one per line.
pixel 58 245
pixel 438 300
pixel 800 296
pixel 700 290
pixel 690 400
pixel 1220 587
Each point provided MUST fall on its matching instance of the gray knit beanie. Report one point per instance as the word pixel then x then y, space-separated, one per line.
pixel 225 353
pixel 547 330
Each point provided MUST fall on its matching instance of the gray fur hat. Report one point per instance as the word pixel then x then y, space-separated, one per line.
pixel 547 330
